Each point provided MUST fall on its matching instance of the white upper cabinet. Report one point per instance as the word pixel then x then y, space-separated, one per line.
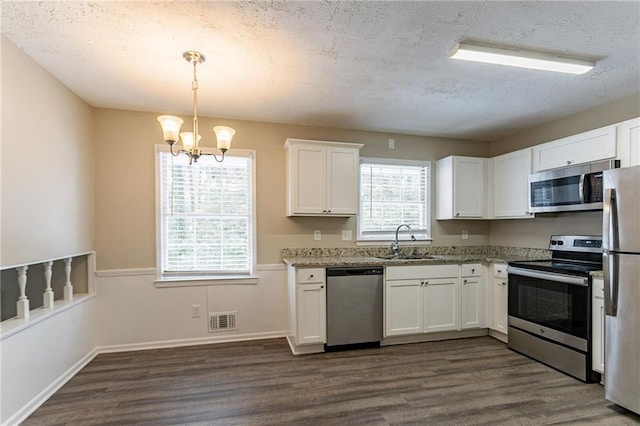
pixel 461 188
pixel 322 178
pixel 594 145
pixel 510 181
pixel 629 142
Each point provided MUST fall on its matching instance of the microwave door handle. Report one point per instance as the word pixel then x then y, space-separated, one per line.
pixel 610 265
pixel 581 187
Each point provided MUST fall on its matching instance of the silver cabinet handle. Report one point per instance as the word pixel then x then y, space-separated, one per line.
pixel 321 286
pixel 464 282
pixel 569 162
pixel 457 214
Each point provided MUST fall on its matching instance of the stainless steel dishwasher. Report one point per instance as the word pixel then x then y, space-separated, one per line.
pixel 354 306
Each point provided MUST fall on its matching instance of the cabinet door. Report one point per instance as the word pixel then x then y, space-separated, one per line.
pixel 511 184
pixel 403 307
pixel 342 185
pixel 311 318
pixel 471 303
pixel 628 135
pixel 469 187
pixel 499 305
pixel 440 304
pixel 598 144
pixel 597 324
pixel 308 180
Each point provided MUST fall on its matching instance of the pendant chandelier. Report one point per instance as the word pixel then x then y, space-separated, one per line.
pixel 190 144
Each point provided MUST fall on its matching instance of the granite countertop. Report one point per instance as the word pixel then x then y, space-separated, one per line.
pixel 597 274
pixel 426 256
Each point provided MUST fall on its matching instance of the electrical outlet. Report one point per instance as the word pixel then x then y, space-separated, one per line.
pixel 347 235
pixel 317 235
pixel 465 234
pixel 392 144
pixel 195 311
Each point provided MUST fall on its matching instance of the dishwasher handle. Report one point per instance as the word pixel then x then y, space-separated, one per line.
pixel 354 271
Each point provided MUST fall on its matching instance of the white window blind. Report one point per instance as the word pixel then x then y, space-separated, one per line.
pixel 206 214
pixel 393 192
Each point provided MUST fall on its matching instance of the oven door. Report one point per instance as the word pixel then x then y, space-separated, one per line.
pixel 550 305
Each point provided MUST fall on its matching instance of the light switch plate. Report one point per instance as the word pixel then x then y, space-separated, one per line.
pixel 465 234
pixel 347 235
pixel 317 235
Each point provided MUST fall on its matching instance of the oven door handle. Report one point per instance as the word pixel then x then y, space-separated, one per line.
pixel 549 276
pixel 581 188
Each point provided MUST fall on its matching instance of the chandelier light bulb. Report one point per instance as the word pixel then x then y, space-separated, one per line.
pixel 224 135
pixel 187 140
pixel 170 127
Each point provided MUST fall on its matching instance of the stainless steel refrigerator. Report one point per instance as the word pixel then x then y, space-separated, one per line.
pixel 621 263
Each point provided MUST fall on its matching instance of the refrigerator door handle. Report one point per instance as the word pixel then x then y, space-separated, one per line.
pixel 610 264
pixel 609 237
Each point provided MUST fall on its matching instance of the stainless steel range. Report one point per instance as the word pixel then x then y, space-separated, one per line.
pixel 550 305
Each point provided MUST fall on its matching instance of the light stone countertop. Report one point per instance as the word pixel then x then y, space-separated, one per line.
pixel 320 258
pixel 597 274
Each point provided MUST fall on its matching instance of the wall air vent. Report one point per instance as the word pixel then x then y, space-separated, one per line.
pixel 221 321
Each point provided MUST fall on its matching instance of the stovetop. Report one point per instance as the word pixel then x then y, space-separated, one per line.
pixel 560 266
pixel 571 254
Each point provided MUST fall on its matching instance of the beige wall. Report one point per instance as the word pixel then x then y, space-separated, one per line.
pixel 125 198
pixel 536 232
pixel 47 164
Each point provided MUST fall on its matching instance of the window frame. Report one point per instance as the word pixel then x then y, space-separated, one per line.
pixel 388 236
pixel 176 279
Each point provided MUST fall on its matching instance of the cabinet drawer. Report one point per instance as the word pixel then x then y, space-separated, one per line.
pixel 471 270
pixel 420 272
pixel 311 275
pixel 500 270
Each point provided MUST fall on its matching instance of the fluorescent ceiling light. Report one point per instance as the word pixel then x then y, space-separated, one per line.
pixel 519 58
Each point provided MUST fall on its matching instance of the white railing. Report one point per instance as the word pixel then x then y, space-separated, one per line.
pixel 23 309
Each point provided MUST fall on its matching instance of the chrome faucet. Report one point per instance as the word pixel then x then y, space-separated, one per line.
pixel 394 246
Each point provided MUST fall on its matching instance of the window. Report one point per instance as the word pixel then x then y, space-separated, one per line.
pixel 393 192
pixel 206 217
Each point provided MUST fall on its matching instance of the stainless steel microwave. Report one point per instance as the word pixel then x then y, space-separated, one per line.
pixel 571 188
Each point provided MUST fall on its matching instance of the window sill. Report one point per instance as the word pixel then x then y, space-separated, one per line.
pixel 167 282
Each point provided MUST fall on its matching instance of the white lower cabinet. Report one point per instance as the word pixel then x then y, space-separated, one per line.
pixel 403 307
pixel 440 304
pixel 311 321
pixel 597 326
pixel 499 298
pixel 472 300
pixel 426 299
pixel 307 309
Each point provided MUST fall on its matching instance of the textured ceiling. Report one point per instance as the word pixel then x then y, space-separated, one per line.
pixel 379 66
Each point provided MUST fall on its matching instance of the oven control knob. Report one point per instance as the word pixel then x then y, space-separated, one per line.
pixel 554 242
pixel 560 243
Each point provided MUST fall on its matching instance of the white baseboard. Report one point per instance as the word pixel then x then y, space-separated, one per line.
pixel 190 342
pixel 46 393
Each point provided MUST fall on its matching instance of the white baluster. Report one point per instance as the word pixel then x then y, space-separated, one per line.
pixel 47 297
pixel 68 288
pixel 23 302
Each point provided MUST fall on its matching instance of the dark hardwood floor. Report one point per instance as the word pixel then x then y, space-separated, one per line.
pixel 457 382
